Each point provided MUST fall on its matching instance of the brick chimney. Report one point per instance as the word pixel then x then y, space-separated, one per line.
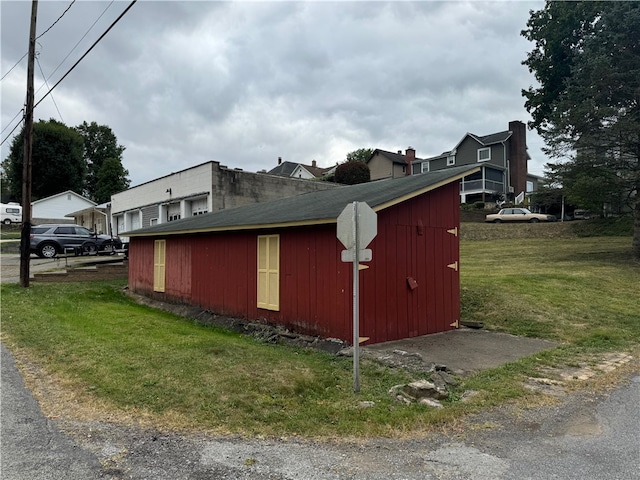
pixel 314 164
pixel 410 156
pixel 518 156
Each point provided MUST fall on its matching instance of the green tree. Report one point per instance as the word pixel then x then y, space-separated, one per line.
pixel 57 163
pixel 350 173
pixel 587 107
pixel 100 144
pixel 360 155
pixel 112 178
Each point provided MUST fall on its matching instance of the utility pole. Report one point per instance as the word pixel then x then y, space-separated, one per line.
pixel 28 150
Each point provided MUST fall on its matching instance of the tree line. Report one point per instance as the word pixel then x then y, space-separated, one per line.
pixel 86 159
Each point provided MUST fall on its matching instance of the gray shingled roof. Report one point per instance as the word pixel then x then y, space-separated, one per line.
pixel 309 208
pixel 394 157
pixel 495 138
pixel 284 169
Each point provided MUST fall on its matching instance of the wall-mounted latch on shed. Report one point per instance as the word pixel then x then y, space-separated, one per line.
pixel 412 283
pixel 453 231
pixel 454 265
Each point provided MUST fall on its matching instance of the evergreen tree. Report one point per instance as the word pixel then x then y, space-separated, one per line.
pixel 587 108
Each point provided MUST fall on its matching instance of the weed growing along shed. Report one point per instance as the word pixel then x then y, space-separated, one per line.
pixel 279 261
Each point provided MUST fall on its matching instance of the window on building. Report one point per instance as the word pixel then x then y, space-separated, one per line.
pixel 529 186
pixel 159 256
pixel 484 154
pixel 153 221
pixel 171 218
pixel 451 160
pixel 424 167
pixel 269 272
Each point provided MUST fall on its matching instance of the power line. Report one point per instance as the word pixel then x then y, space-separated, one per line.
pixel 74 65
pixel 42 34
pixel 21 111
pixel 47 84
pixel 87 52
pixel 78 42
pixel 14 128
pixel 17 63
pixel 51 26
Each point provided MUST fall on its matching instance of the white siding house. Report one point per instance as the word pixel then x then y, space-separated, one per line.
pixel 54 209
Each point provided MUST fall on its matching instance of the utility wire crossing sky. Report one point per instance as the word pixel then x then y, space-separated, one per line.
pixel 244 83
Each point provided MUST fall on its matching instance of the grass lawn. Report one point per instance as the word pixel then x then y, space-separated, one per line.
pixel 136 361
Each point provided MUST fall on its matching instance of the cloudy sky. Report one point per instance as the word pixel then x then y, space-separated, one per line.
pixel 244 83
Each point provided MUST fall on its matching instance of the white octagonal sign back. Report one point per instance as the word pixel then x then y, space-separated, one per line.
pixel 367 225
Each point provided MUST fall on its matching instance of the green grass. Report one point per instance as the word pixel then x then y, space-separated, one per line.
pixel 142 362
pixel 600 227
pixel 10 232
pixel 138 359
pixel 582 291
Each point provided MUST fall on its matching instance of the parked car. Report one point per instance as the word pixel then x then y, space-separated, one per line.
pixel 518 215
pixel 49 240
pixel 580 214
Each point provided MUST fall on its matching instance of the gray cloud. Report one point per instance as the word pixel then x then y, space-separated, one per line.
pixel 243 83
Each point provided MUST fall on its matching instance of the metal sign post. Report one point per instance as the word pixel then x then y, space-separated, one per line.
pixel 356 302
pixel 357 226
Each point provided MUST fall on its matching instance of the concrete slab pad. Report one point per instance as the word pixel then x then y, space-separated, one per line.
pixel 466 350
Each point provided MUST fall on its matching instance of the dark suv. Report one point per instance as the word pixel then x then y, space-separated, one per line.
pixel 49 240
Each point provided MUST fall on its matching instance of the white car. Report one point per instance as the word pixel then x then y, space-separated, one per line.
pixel 518 215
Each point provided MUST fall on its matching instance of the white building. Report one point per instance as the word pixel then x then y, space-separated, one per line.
pixel 54 209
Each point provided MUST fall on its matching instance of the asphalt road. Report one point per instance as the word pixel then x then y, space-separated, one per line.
pixel 32 447
pixel 588 437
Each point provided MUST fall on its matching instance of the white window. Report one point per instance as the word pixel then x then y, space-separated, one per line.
pixel 199 207
pixel 173 212
pixel 451 160
pixel 153 221
pixel 529 186
pixel 424 167
pixel 484 154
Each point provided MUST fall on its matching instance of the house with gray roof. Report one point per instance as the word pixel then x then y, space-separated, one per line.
pixel 502 157
pixel 300 170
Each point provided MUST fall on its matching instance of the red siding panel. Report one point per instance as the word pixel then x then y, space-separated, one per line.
pixel 178 267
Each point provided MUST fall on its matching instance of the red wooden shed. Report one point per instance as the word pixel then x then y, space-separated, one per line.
pixel 280 261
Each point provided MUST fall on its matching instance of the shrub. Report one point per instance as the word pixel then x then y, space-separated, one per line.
pixel 350 173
